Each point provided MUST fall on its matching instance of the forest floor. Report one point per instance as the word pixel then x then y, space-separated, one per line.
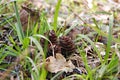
pixel 59 40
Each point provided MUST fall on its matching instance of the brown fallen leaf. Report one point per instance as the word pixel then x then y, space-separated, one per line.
pixel 58 63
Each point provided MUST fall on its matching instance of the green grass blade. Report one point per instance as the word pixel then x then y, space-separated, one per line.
pixel 43 74
pixel 18 25
pixel 56 14
pixel 34 66
pixel 19 33
pixel 58 74
pixel 101 71
pixel 94 20
pixel 37 44
pixel 35 28
pixel 109 37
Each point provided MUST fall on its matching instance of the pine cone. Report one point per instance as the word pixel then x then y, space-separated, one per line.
pixel 53 37
pixel 67 46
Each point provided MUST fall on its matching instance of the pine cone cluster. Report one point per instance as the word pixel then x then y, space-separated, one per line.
pixel 63 45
